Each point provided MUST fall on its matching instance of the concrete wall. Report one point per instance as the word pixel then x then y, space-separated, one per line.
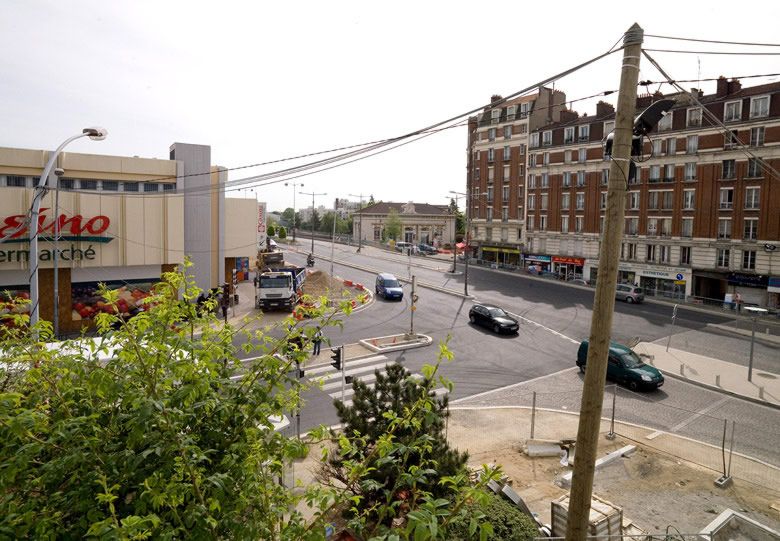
pixel 240 227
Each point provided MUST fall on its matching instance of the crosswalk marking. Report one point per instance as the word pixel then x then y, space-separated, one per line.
pixel 329 380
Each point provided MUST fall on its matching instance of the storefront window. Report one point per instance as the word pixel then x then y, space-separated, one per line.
pixel 87 302
pixel 10 303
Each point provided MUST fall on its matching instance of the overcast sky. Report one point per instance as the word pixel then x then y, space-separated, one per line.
pixel 262 81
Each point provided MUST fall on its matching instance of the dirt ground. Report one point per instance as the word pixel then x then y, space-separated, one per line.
pixel 319 283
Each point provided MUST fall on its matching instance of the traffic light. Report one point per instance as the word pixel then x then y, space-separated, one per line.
pixel 336 356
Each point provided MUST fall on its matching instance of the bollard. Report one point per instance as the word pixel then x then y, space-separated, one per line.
pixel 533 415
pixel 717 380
pixel 761 392
pixel 682 370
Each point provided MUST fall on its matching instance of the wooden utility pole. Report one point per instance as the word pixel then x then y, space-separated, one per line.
pixel 604 301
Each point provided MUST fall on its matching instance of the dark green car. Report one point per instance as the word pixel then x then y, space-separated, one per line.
pixel 625 366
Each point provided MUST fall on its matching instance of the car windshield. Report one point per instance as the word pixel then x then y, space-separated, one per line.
pixel 392 283
pixel 631 360
pixel 497 312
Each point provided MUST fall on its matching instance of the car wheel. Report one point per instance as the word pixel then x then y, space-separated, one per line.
pixel 496 329
pixel 472 318
pixel 630 300
pixel 633 385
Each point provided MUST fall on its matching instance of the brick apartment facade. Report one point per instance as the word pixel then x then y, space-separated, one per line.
pixel 702 215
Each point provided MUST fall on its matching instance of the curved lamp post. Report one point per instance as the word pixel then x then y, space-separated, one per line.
pixel 96 134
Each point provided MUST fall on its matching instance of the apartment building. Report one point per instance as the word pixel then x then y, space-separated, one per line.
pixel 702 213
pixel 497 164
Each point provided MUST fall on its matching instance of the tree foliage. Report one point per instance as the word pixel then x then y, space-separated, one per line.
pixel 271 230
pixel 393 224
pixel 508 521
pixel 282 232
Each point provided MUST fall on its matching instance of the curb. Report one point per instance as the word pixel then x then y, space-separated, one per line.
pixel 424 340
pixel 720 390
pixel 744 332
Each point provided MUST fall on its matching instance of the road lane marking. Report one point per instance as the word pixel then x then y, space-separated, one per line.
pixel 326 367
pixel 548 329
pixel 690 419
pixel 513 385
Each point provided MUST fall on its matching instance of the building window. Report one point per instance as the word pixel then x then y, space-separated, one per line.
pixel 724 228
pixel 726 198
pixel 476 173
pixel 543 202
pixel 723 257
pixel 757 136
pixel 692 144
pixel 655 173
pixel 669 172
pixel 729 169
pixel 534 140
pixel 510 112
pixel 88 184
pixel 151 187
pixel 732 111
pixel 542 223
pixel 489 214
pixel 667 202
pixel 489 194
pixel 628 251
pixel 609 126
pixel 633 200
pixel 565 201
pixel 666 122
pixel 754 167
pixel 547 138
pixel 603 200
pixel 488 233
pixel 130 186
pixel 491 174
pixel 67 184
pixel 505 193
pixel 491 154
pixel 751 197
pixel 506 173
pixel 529 223
pixel 685 255
pixel 750 229
pixel 580 201
pixel 671 146
pixel 687 228
pixel 504 214
pixel 653 200
pixel 665 227
pixel 652 227
pixel 584 132
pixel 532 181
pixel 605 177
pixel 730 140
pixel 566 179
pixel 694 117
pixel 495 114
pixel 531 202
pixel 690 171
pixel 664 254
pixel 655 149
pixel 545 158
pixel 568 135
pixel 632 226
pixel 582 155
pixel 580 178
pixel 578 224
pixel 506 154
pixel 16 181
pixel 492 134
pixel 749 260
pixel 564 224
pixel 545 180
pixel 689 197
pixel 169 186
pixel 507 132
pixel 759 106
pixel 650 256
pixel 112 185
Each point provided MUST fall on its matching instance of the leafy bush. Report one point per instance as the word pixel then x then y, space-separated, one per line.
pixel 508 522
pixel 271 230
pixel 282 232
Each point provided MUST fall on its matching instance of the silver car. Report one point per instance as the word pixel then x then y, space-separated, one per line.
pixel 629 293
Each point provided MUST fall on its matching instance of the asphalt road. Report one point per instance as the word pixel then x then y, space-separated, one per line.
pixel 554 318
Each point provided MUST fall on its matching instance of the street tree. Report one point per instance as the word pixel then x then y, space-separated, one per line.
pixel 287 215
pixel 393 224
pixel 271 230
pixel 460 218
pixel 282 232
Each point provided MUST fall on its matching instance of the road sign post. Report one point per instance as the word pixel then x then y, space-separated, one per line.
pixel 671 331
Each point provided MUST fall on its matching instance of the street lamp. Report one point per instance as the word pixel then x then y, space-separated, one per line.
pixel 311 220
pixel 755 312
pixel 94 133
pixel 467 238
pixel 360 221
pixel 294 184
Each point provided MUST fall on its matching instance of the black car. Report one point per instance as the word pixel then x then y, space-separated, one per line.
pixel 493 318
pixel 427 249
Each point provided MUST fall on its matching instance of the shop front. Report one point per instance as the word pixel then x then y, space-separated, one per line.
pixel 537 264
pixel 751 288
pixel 568 268
pixel 656 280
pixel 773 293
pixel 501 255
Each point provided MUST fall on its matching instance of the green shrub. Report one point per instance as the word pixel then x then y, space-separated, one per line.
pixel 271 230
pixel 509 523
pixel 282 232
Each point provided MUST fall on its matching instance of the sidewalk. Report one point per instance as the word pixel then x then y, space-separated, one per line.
pixel 721 376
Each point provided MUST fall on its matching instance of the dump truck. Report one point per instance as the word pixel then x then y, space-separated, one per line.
pixel 279 288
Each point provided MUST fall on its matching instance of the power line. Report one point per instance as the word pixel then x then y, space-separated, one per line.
pixel 714 41
pixel 648 82
pixel 736 53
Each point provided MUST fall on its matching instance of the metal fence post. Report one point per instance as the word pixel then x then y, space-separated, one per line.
pixel 611 433
pixel 723 446
pixel 533 415
pixel 731 447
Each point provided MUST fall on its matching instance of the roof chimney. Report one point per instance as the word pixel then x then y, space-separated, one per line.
pixel 494 98
pixel 723 87
pixel 734 86
pixel 603 109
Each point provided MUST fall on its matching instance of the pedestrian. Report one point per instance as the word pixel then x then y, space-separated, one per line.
pixel 224 307
pixel 738 302
pixel 317 341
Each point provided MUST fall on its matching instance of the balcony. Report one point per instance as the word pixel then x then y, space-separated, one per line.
pixel 583 138
pixel 568 140
pixel 726 206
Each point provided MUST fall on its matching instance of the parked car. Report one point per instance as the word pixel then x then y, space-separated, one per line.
pixel 388 287
pixel 629 293
pixel 427 249
pixel 624 366
pixel 493 318
pixel 404 247
pixel 578 281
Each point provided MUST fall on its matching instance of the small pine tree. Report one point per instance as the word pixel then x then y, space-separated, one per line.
pixel 393 392
pixel 271 230
pixel 282 232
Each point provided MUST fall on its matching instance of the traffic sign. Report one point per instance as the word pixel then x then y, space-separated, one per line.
pixel 680 276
